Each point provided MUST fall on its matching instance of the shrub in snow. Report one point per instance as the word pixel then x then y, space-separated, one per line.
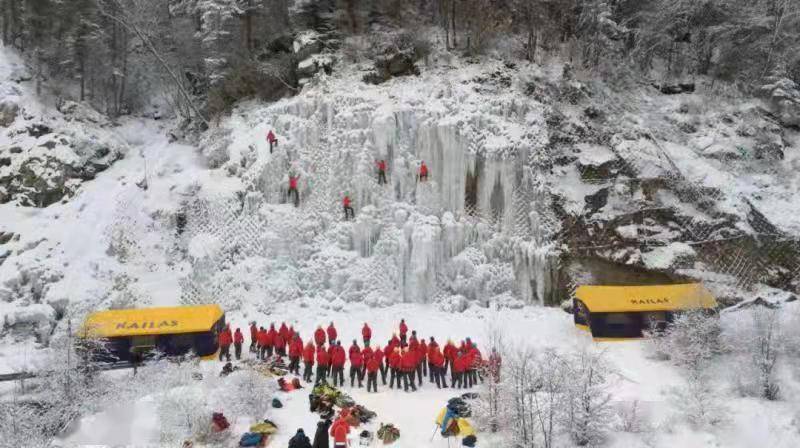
pixel 183 415
pixel 588 414
pixel 452 304
pixel 244 392
pixel 758 339
pixel 691 342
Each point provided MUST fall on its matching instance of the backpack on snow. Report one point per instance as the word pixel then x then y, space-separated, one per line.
pixel 276 403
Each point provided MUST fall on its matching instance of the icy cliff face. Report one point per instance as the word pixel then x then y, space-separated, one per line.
pixel 411 239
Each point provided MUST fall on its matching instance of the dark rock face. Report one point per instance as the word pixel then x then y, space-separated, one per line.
pixel 390 65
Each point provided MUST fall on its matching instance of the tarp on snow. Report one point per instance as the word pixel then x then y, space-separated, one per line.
pixel 152 321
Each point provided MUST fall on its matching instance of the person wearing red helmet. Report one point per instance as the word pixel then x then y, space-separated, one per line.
pixel 332 334
pixel 319 336
pixel 323 363
pixel 308 361
pixel 295 352
pixel 224 340
pixel 338 360
pixel 238 340
pixel 366 334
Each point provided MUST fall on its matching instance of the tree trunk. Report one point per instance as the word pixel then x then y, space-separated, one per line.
pixel 124 78
pixel 82 69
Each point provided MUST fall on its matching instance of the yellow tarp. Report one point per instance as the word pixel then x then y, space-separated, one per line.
pixel 152 321
pixel 618 299
pixel 464 428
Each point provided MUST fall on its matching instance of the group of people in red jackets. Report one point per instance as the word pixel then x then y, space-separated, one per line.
pixel 405 360
pixel 225 339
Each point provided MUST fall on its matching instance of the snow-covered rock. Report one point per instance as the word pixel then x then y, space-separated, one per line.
pixel 674 256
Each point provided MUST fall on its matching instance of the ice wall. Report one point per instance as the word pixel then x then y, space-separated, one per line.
pixel 334 139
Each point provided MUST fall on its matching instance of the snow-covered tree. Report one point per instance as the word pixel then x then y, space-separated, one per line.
pixel 757 339
pixel 588 416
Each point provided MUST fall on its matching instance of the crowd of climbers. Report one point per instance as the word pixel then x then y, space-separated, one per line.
pixel 292 194
pixel 405 360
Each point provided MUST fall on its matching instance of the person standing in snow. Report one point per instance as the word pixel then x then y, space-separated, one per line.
pixel 321 439
pixel 295 352
pixel 280 345
pixel 284 332
pixel 323 362
pixel 253 337
pixel 338 360
pixel 262 343
pixel 408 365
pixel 308 361
pixel 331 334
pixel 348 209
pixel 423 172
pixel 372 367
pixel 422 353
pixel 238 340
pixel 272 140
pixel 431 345
pixel 403 333
pixel 225 339
pixel 394 359
pixel 356 366
pixel 293 189
pixel 272 334
pixel 437 366
pixel 319 336
pixel 381 172
pixel 366 334
pixel 450 356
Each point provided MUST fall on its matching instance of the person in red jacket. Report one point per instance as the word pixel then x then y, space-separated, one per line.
pixel 353 348
pixel 408 364
pixel 319 336
pixel 459 364
pixel 238 340
pixel 293 189
pixel 279 344
pixel 323 364
pixel 395 361
pixel 403 332
pixel 253 337
pixel 284 332
pixel 423 172
pixel 450 356
pixel 295 352
pixel 271 335
pixel 366 334
pixel 272 140
pixel 339 430
pixel 224 340
pixel 381 171
pixel 338 360
pixel 348 209
pixel 356 368
pixel 373 366
pixel 378 354
pixel 437 366
pixel 431 346
pixel 366 352
pixel 308 361
pixel 331 334
pixel 262 343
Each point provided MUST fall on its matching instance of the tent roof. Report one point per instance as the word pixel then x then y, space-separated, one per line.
pixel 152 321
pixel 610 299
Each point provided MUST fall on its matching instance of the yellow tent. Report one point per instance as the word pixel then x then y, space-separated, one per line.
pixel 622 312
pixel 152 321
pixel 610 299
